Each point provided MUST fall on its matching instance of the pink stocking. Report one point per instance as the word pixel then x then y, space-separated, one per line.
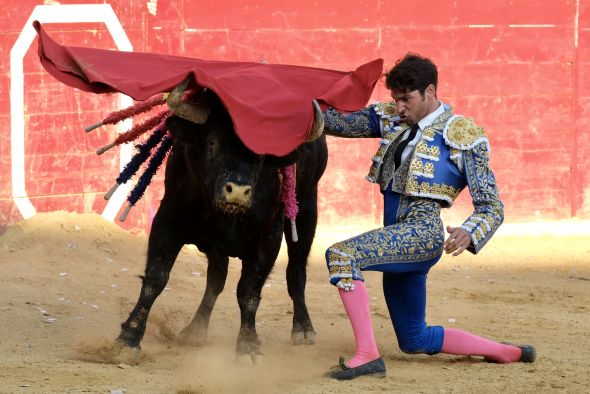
pixel 356 303
pixel 464 343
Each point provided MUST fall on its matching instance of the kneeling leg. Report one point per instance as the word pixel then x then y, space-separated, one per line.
pixel 405 295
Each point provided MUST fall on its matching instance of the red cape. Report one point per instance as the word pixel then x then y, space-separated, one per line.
pixel 270 104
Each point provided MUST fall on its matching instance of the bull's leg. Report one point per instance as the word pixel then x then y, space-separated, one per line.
pixel 196 332
pixel 303 332
pixel 255 270
pixel 164 244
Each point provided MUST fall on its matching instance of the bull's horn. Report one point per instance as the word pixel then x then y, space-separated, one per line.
pixel 318 123
pixel 192 112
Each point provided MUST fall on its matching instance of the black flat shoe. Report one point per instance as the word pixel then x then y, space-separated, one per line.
pixel 374 368
pixel 528 353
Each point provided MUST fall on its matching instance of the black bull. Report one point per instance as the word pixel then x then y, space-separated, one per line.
pixel 226 200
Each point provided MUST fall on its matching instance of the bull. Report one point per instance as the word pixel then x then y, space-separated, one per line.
pixel 225 199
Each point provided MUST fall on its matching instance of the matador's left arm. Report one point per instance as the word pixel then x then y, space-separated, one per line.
pixel 489 210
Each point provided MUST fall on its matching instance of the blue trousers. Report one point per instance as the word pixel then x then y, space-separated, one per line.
pixel 405 249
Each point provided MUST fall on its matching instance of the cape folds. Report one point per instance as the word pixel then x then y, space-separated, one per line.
pixel 270 104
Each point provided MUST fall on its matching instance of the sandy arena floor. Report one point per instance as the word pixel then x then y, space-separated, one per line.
pixel 69 280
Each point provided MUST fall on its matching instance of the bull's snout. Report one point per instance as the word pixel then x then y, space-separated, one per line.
pixel 240 195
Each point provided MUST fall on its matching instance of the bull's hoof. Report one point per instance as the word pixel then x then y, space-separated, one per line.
pixel 307 337
pixel 122 353
pixel 249 360
pixel 107 351
pixel 248 346
pixel 193 336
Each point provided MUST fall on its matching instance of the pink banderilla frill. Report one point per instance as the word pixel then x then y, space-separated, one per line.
pixel 158 120
pixel 135 109
pixel 289 198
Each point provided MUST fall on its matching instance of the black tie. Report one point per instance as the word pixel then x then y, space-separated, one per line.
pixel 397 157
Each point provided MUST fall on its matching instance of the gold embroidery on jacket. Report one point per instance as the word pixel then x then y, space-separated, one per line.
pixel 418 167
pixel 428 133
pixel 390 136
pixel 435 189
pixel 427 152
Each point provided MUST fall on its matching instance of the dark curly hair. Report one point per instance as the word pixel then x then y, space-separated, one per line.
pixel 412 72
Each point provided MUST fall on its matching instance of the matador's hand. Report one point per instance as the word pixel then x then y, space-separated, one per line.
pixel 458 240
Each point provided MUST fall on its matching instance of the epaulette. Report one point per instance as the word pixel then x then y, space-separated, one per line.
pixel 463 134
pixel 387 111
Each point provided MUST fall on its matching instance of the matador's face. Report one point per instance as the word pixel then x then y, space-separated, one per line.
pixel 412 106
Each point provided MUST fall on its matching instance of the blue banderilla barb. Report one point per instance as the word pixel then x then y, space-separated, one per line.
pixel 155 162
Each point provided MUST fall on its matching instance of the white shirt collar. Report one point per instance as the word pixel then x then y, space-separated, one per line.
pixel 429 119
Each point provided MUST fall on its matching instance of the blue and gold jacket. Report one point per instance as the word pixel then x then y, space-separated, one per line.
pixel 453 152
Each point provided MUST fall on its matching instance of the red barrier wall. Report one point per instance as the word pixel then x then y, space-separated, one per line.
pixel 520 68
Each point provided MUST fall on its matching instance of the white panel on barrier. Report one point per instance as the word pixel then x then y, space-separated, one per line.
pixel 77 13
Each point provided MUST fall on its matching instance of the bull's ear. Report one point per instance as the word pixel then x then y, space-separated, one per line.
pixel 183 129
